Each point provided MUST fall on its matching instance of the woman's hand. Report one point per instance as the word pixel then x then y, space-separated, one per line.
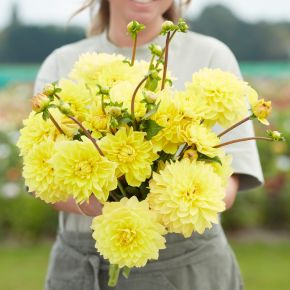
pixel 91 208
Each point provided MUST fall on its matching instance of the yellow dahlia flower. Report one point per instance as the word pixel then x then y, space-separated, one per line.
pixel 187 196
pixel 122 93
pixel 202 138
pixel 224 93
pixel 77 95
pixel 36 130
pixel 170 116
pixel 127 233
pixel 106 70
pixel 39 173
pixel 96 121
pixel 81 170
pixel 133 154
pixel 262 109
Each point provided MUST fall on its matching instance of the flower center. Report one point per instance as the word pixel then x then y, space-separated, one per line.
pixel 126 237
pixel 127 154
pixel 191 194
pixel 83 169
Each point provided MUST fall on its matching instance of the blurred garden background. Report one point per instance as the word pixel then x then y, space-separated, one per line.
pixel 258 226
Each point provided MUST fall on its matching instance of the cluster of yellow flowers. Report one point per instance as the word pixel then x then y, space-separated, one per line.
pixel 120 131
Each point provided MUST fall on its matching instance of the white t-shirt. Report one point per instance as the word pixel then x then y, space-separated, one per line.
pixel 188 53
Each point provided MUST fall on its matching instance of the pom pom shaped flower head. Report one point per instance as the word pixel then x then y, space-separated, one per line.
pixel 133 154
pixel 82 171
pixel 106 70
pixel 224 94
pixel 127 233
pixel 39 173
pixel 184 199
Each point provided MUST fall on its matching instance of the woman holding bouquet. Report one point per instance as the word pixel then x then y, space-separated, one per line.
pixel 202 262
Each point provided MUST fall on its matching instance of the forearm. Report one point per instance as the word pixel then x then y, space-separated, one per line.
pixel 231 191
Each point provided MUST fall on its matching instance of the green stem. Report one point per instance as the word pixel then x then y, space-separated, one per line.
pixel 151 61
pixel 134 96
pixel 114 196
pixel 56 124
pixel 234 126
pixel 103 105
pixel 165 61
pixel 163 50
pixel 87 133
pixel 242 140
pixel 114 272
pixel 134 50
pixel 120 186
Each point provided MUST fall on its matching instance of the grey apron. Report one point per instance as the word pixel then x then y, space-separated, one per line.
pixel 202 262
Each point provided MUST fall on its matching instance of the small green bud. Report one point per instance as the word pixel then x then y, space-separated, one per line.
pixel 275 135
pixel 49 90
pixel 103 90
pixel 115 111
pixel 154 74
pixel 168 26
pixel 155 49
pixel 65 108
pixel 182 25
pixel 150 97
pixel 114 123
pixel 150 107
pixel 40 103
pixel 134 27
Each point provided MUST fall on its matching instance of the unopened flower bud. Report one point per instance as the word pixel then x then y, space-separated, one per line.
pixel 40 102
pixel 150 97
pixel 275 135
pixel 49 89
pixel 183 27
pixel 190 154
pixel 155 49
pixel 134 27
pixel 114 123
pixel 115 111
pixel 167 26
pixel 262 109
pixel 154 74
pixel 65 108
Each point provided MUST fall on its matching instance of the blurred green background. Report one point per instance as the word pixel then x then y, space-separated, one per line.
pixel 258 225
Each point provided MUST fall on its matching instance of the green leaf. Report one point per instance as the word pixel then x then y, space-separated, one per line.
pixel 127 61
pixel 45 115
pixel 126 271
pixel 124 120
pixel 202 157
pixel 151 128
pixel 151 112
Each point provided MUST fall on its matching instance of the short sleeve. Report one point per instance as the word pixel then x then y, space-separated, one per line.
pixel 47 73
pixel 246 161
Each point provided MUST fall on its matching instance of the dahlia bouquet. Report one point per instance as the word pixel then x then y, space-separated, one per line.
pixel 117 129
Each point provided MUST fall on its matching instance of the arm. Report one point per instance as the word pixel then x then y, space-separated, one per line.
pixel 231 191
pixel 246 163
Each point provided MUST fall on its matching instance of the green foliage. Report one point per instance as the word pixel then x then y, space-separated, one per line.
pixel 26 217
pixel 249 41
pixel 31 44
